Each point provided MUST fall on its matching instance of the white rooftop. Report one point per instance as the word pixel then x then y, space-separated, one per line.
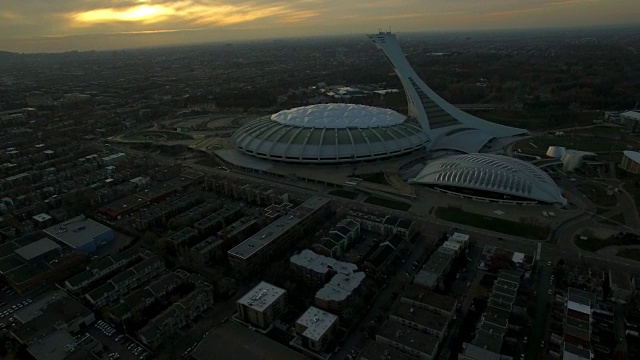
pixel 635 115
pixel 317 322
pixel 340 287
pixel 338 116
pixel 458 237
pixel 41 217
pixel 322 264
pixel 37 248
pixel 261 296
pixel 585 309
pixel 517 257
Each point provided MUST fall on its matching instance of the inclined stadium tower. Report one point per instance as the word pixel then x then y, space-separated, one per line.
pixel 347 133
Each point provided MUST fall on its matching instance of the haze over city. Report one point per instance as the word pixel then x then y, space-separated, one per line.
pixel 54 26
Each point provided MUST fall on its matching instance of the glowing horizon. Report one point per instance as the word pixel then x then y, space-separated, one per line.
pixel 43 25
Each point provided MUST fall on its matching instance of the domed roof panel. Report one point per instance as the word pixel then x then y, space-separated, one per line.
pixel 338 116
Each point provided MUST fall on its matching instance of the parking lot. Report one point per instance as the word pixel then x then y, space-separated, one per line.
pixel 117 343
pixel 9 303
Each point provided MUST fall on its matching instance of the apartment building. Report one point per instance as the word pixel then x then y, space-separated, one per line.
pixel 277 237
pixel 101 268
pixel 176 316
pixel 314 269
pixel 422 320
pixel 122 283
pixel 316 328
pixel 262 305
pixel 412 342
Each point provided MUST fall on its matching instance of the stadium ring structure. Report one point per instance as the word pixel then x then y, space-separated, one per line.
pixel 331 133
pixel 492 177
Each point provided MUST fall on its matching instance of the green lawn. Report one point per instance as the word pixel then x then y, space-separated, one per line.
pixel 633 254
pixel 598 194
pixel 391 204
pixel 594 244
pixel 508 227
pixel 157 135
pixel 344 193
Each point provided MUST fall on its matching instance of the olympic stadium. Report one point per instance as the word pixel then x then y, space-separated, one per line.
pixel 302 142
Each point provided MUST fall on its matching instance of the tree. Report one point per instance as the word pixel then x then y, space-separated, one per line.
pixel 150 238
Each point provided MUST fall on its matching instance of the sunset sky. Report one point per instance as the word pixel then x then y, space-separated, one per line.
pixel 62 25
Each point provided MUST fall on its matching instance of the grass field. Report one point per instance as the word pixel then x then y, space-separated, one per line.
pixel 598 194
pixel 391 204
pixel 508 227
pixel 633 254
pixel 157 135
pixel 599 140
pixel 594 244
pixel 344 193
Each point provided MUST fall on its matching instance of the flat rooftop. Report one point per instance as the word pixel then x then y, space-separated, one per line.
pixel 430 299
pixel 47 314
pixel 53 346
pixel 322 264
pixel 317 322
pixel 244 344
pixel 340 287
pixel 273 231
pixel 406 336
pixel 422 317
pixel 77 231
pixel 37 248
pixel 261 296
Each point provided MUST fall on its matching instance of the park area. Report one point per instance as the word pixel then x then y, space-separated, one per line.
pixel 508 227
pixel 156 135
pixel 598 194
pixel 597 139
pixel 592 243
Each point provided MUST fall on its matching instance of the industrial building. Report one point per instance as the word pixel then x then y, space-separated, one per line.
pixel 81 233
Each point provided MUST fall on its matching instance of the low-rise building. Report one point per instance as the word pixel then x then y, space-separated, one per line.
pixel 262 305
pixel 61 345
pixel 418 297
pixel 55 310
pixel 412 342
pixel 183 237
pixel 175 317
pixel 122 283
pixel 142 298
pixel 316 269
pixel 278 236
pixel 316 328
pixel 101 268
pixel 422 320
pixel 622 286
pixel 341 292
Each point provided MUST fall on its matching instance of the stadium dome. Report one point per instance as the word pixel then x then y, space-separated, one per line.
pixel 491 176
pixel 330 133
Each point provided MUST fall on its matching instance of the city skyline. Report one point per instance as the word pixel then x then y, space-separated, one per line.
pixel 41 26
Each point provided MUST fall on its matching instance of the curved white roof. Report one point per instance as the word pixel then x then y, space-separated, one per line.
pixel 338 116
pixel 632 155
pixel 494 173
pixel 556 151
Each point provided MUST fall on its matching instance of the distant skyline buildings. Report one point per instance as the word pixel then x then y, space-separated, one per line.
pixel 46 26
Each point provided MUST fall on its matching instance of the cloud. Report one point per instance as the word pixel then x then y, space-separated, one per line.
pixel 233 19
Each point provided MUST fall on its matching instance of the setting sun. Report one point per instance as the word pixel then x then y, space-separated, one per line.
pixel 143 13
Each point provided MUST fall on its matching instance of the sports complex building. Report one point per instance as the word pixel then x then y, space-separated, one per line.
pixel 296 141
